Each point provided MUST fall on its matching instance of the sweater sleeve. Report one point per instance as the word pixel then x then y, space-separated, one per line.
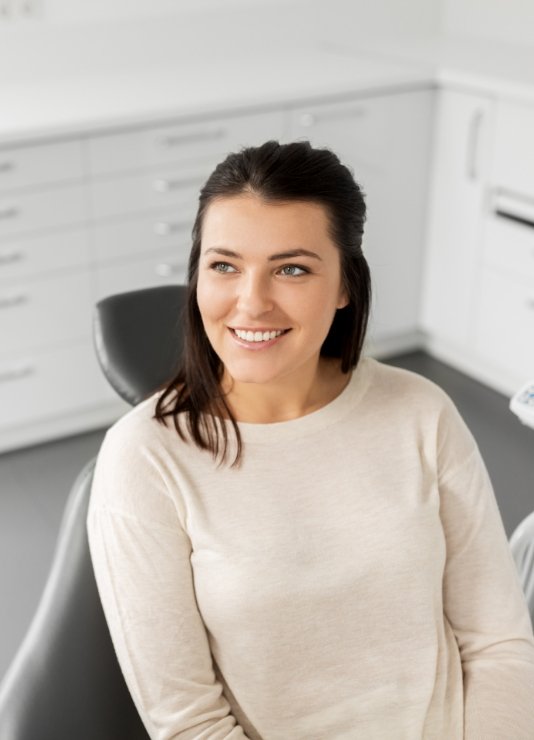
pixel 483 598
pixel 140 555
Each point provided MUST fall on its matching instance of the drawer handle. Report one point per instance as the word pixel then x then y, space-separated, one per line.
pixel 310 119
pixel 9 212
pixel 16 373
pixel 164 186
pixel 514 217
pixel 8 257
pixel 166 269
pixel 179 139
pixel 6 166
pixel 164 228
pixel 15 300
pixel 530 304
pixel 472 144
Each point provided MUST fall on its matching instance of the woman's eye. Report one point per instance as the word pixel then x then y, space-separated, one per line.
pixel 292 268
pixel 221 267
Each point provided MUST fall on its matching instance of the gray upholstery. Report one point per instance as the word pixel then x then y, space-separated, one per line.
pixel 522 546
pixel 65 682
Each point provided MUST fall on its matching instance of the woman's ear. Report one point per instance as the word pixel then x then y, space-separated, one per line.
pixel 343 299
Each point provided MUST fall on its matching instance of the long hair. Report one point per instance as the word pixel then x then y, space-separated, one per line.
pixel 276 173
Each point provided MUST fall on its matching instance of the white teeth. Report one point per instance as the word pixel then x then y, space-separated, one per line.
pixel 257 336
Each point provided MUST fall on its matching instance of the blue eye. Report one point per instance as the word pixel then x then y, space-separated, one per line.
pixel 303 270
pixel 217 265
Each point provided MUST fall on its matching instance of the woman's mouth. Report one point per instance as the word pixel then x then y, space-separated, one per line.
pixel 258 339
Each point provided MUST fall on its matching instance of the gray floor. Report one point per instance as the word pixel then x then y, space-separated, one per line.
pixel 36 482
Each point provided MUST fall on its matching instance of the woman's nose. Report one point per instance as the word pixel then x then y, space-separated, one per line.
pixel 254 297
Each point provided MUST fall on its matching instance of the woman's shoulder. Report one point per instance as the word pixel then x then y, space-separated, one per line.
pixel 139 424
pixel 399 386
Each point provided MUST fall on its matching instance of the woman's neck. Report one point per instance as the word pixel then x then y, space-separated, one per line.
pixel 290 398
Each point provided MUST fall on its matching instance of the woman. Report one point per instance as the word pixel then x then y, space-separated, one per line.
pixel 313 549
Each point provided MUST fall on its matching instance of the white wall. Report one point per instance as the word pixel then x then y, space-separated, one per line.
pixel 510 21
pixel 410 15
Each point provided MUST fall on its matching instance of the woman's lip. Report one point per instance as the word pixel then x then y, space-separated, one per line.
pixel 267 329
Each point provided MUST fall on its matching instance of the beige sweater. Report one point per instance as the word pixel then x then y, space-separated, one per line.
pixel 353 581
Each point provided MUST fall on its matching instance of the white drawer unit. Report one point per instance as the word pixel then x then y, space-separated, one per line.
pixel 505 324
pixel 28 256
pixel 22 212
pixel 167 268
pixel 146 234
pixel 509 240
pixel 513 163
pixel 45 312
pixel 176 187
pixel 31 165
pixel 38 385
pixel 202 140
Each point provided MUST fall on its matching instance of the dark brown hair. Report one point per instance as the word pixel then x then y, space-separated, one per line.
pixel 276 173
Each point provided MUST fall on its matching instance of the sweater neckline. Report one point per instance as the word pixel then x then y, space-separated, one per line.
pixel 323 417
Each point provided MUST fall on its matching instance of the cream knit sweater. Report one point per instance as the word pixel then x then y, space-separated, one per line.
pixel 352 581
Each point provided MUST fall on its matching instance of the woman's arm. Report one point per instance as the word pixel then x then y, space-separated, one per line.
pixel 140 555
pixel 483 599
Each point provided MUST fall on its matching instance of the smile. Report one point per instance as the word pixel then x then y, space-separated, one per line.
pixel 258 336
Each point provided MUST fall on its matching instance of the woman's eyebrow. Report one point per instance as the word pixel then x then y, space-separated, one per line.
pixel 279 256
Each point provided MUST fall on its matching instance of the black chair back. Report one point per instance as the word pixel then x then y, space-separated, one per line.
pixel 65 681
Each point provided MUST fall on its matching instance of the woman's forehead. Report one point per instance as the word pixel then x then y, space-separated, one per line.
pixel 247 222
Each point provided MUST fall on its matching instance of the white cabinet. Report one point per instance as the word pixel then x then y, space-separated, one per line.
pixel 461 156
pixel 385 141
pixel 478 298
pixel 85 218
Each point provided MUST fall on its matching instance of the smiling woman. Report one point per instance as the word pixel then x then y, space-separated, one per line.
pixel 348 575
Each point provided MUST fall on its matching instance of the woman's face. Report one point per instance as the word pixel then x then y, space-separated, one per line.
pixel 254 276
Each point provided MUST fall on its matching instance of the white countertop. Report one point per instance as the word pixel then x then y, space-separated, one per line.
pixel 76 80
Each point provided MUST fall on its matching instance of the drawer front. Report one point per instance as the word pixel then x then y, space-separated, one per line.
pixel 28 166
pixel 509 247
pixel 513 165
pixel 197 141
pixel 166 269
pixel 30 256
pixel 144 235
pixel 26 212
pixel 38 385
pixel 176 188
pixel 360 130
pixel 505 323
pixel 44 312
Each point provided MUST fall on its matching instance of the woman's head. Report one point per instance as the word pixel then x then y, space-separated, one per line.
pixel 294 177
pixel 287 194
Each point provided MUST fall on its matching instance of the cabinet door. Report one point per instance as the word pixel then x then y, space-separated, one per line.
pixel 385 141
pixel 462 144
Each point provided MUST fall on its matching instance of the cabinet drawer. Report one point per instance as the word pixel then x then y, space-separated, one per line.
pixel 58 206
pixel 505 323
pixel 38 385
pixel 509 247
pixel 29 256
pixel 513 165
pixel 360 129
pixel 26 166
pixel 147 234
pixel 166 269
pixel 176 188
pixel 49 311
pixel 205 140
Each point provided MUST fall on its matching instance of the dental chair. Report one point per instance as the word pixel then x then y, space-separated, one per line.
pixel 65 682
